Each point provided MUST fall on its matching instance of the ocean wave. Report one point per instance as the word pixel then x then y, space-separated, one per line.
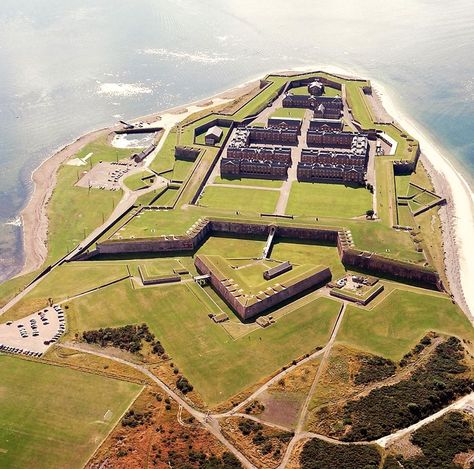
pixel 200 57
pixel 123 89
pixel 15 222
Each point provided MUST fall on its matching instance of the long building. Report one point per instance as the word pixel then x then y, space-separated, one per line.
pixel 326 124
pixel 313 172
pixel 246 167
pixel 313 155
pixel 336 139
pixel 327 107
pixel 281 154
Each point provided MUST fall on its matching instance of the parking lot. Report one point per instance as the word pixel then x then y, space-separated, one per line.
pixel 105 175
pixel 34 334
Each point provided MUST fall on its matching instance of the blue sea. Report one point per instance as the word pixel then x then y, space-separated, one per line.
pixel 67 67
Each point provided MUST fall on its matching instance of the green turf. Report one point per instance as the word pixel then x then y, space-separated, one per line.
pixel 139 180
pixel 328 200
pixel 396 324
pixel 233 247
pixel 215 364
pixel 181 170
pixel 401 183
pixel 297 113
pixel 74 212
pixel 249 182
pixel 167 198
pixel 53 416
pixel 244 200
pixel 164 159
pixel 303 253
pixel 328 91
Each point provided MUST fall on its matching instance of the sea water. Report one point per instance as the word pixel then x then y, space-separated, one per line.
pixel 67 67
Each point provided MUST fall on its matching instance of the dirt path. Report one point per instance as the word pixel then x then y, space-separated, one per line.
pixel 207 421
pixel 304 409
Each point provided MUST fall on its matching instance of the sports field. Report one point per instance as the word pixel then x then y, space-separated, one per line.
pixel 328 200
pixel 53 416
pixel 217 365
pixel 396 324
pixel 244 200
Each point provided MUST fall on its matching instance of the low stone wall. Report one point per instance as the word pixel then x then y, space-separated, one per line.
pixel 374 263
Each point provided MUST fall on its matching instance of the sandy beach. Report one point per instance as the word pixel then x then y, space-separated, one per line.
pixel 457 217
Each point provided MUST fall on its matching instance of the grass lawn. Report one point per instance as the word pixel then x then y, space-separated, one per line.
pixel 65 281
pixel 167 198
pixel 396 324
pixel 328 200
pixel 328 91
pixel 103 151
pixel 245 200
pixel 74 212
pixel 249 182
pixel 233 247
pixel 295 112
pixel 181 170
pixel 53 416
pixel 215 364
pixel 139 180
pixel 164 159
pixel 302 253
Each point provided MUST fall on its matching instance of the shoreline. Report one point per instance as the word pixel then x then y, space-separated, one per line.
pixel 34 217
pixel 445 178
pixel 457 217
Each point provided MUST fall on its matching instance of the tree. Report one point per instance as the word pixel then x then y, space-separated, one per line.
pixel 370 213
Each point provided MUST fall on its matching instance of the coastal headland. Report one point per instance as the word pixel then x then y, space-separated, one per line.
pixel 258 279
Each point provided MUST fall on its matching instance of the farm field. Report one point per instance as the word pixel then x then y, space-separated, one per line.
pixel 245 200
pixel 215 364
pixel 396 324
pixel 59 416
pixel 328 200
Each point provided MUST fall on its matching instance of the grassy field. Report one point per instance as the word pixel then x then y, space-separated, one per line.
pixel 215 364
pixel 295 112
pixel 181 170
pixel 245 200
pixel 74 212
pixel 164 159
pixel 53 416
pixel 328 200
pixel 139 180
pixel 250 182
pixel 396 324
pixel 66 281
pixel 167 198
pixel 302 253
pixel 328 91
pixel 233 247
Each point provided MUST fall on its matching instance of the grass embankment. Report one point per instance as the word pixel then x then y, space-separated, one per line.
pixel 216 365
pixel 55 416
pixel 396 324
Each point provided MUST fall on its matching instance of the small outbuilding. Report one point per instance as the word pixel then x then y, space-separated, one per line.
pixel 213 135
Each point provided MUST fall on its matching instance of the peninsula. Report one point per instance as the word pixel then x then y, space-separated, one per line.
pixel 263 279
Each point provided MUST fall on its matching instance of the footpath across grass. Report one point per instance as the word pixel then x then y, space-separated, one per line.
pixel 396 324
pixel 217 366
pixel 328 200
pixel 53 416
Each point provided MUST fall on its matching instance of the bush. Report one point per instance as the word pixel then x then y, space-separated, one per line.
pixel 184 385
pixel 374 369
pixel 318 454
